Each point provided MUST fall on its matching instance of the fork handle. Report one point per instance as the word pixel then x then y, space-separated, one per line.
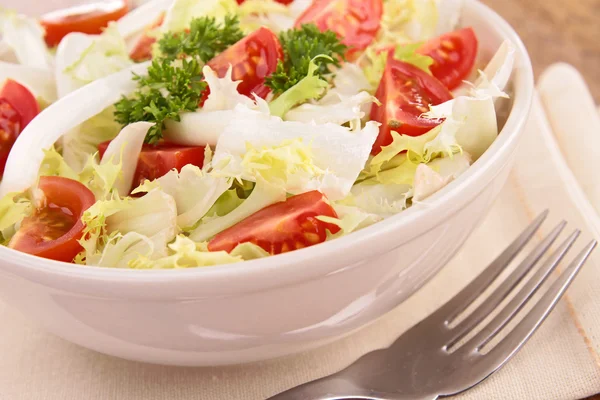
pixel 339 388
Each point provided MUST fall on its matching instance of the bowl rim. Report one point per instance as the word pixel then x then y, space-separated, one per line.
pixel 302 264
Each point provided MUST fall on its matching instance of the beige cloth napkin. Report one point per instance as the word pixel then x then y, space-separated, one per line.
pixel 555 169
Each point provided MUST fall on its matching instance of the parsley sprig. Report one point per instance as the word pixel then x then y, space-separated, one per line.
pixel 174 83
pixel 300 46
pixel 168 90
pixel 205 39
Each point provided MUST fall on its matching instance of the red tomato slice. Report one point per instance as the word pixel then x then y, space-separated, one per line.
pixel 142 50
pixel 282 227
pixel 406 92
pixel 454 56
pixel 356 22
pixel 157 160
pixel 253 59
pixel 21 99
pixel 54 230
pixel 17 108
pixel 10 127
pixel 87 18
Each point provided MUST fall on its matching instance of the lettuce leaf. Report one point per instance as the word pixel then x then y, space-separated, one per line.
pixel 150 215
pixel 95 234
pixel 350 219
pixel 431 178
pixel 345 110
pixel 310 88
pixel 124 150
pixel 14 207
pixel 256 13
pixel 81 142
pixel 337 154
pixel 383 200
pixel 120 250
pixel 263 195
pixel 408 53
pixel 182 12
pixel 25 36
pixel 184 253
pixel 194 191
pixel 249 251
pixel 55 165
pixel 82 58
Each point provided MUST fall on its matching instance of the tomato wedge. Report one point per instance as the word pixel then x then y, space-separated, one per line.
pixel 282 227
pixel 253 59
pixel 157 160
pixel 356 22
pixel 21 99
pixel 406 92
pixel 86 18
pixel 142 50
pixel 17 108
pixel 454 56
pixel 10 127
pixel 54 230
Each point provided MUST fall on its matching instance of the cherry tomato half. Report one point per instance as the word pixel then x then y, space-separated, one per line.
pixel 356 22
pixel 142 50
pixel 54 230
pixel 454 56
pixel 21 99
pixel 10 127
pixel 157 160
pixel 86 18
pixel 253 59
pixel 17 108
pixel 281 227
pixel 405 93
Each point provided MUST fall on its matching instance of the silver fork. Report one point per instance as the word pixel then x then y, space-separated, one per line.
pixel 430 361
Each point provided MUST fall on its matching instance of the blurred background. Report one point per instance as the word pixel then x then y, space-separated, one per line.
pixel 553 30
pixel 558 30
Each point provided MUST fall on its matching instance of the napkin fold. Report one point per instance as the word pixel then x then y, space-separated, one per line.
pixel 556 168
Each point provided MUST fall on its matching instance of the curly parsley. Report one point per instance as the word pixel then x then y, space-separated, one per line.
pixel 168 90
pixel 206 38
pixel 300 46
pixel 174 83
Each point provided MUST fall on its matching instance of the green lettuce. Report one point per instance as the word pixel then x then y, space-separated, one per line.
pixel 14 207
pixel 185 253
pixel 194 191
pixel 181 13
pixel 310 88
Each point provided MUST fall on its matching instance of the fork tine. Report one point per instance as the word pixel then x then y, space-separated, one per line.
pixel 466 296
pixel 506 287
pixel 522 297
pixel 515 340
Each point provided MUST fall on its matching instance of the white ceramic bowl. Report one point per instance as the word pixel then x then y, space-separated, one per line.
pixel 280 305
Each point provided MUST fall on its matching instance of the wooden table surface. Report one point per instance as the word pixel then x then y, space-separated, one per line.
pixel 558 30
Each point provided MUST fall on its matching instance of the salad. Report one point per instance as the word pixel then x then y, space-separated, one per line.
pixel 195 133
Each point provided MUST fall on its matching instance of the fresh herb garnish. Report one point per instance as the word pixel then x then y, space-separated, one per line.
pixel 300 46
pixel 205 39
pixel 174 83
pixel 169 89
